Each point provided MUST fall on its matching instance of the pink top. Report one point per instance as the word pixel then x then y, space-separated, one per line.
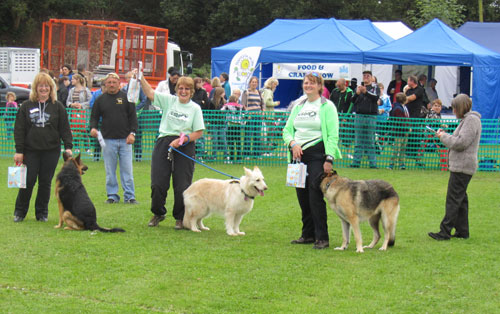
pixel 11 104
pixel 207 86
pixel 326 93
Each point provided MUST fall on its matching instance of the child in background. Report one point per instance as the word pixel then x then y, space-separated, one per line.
pixel 432 143
pixel 10 113
pixel 399 117
pixel 234 122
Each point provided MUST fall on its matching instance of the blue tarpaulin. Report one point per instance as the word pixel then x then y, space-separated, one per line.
pixel 337 41
pixel 437 44
pixel 482 33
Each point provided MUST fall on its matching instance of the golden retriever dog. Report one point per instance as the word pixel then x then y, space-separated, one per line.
pixel 356 201
pixel 230 198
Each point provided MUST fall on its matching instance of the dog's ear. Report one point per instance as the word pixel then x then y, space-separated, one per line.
pixel 248 172
pixel 77 159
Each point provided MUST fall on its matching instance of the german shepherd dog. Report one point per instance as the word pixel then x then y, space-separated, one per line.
pixel 356 201
pixel 75 207
pixel 231 198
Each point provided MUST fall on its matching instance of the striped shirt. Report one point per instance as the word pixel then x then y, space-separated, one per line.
pixel 254 101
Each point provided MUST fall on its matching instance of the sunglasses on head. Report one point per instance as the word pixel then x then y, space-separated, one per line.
pixel 314 74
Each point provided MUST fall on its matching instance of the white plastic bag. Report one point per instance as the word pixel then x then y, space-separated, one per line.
pixel 296 175
pixel 134 86
pixel 17 177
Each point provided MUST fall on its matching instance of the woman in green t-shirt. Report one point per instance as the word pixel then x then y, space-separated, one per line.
pixel 312 135
pixel 180 126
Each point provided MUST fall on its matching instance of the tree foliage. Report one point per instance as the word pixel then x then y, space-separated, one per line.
pixel 199 25
pixel 448 11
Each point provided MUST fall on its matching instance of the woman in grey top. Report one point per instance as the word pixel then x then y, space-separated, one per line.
pixel 463 145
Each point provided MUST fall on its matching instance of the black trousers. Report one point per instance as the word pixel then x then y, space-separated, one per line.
pixel 234 142
pixel 40 165
pixel 457 205
pixel 312 204
pixel 180 169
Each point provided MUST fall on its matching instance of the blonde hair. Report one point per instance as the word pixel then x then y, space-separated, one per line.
pixel 437 101
pixel 186 81
pixel 216 82
pixel 270 82
pixel 80 79
pixel 41 78
pixel 10 94
pixel 113 75
pixel 461 104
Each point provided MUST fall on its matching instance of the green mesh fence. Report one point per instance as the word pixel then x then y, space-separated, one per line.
pixel 257 137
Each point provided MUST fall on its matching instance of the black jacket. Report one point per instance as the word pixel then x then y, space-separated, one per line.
pixel 118 115
pixel 342 100
pixel 42 126
pixel 201 98
pixel 367 103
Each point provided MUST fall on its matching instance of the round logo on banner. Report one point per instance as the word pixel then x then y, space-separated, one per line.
pixel 244 67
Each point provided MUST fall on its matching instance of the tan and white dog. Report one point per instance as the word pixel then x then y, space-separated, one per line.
pixel 356 201
pixel 231 198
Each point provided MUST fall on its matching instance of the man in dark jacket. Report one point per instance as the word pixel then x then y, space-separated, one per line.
pixel 341 97
pixel 119 124
pixel 365 122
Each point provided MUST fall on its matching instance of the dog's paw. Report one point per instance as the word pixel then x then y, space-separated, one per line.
pixel 340 248
pixel 360 250
pixel 233 234
pixel 241 233
pixel 383 249
pixel 367 247
pixel 196 230
pixel 57 226
pixel 205 228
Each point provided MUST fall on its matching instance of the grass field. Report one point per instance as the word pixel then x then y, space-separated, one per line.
pixel 163 270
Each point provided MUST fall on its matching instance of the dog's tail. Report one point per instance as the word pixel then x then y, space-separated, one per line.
pixel 392 231
pixel 95 226
pixel 111 230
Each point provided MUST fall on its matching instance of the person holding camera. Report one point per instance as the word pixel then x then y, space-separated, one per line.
pixel 365 121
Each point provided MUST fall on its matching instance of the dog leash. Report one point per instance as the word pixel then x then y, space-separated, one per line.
pixel 200 163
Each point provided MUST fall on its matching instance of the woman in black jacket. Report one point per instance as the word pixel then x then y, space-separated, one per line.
pixel 41 125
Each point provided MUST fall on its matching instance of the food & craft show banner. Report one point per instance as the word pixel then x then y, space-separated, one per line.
pixel 297 71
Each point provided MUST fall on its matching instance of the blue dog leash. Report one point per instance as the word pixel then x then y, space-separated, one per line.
pixel 200 163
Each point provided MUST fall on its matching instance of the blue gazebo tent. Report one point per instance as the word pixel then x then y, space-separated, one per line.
pixel 437 44
pixel 482 33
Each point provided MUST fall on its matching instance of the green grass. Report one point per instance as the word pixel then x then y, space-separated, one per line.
pixel 162 270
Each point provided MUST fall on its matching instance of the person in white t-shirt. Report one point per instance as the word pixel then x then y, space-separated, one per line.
pixel 180 126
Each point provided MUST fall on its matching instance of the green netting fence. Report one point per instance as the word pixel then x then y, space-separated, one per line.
pixel 257 138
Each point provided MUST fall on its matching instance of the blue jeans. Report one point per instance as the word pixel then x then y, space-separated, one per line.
pixel 365 138
pixel 118 149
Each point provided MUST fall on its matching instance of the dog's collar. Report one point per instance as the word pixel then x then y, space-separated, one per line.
pixel 330 183
pixel 247 197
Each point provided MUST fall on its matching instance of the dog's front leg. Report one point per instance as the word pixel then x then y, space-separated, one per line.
pixel 61 211
pixel 345 235
pixel 237 222
pixel 357 235
pixel 230 215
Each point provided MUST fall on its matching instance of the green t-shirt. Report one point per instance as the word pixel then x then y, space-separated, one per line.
pixel 176 117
